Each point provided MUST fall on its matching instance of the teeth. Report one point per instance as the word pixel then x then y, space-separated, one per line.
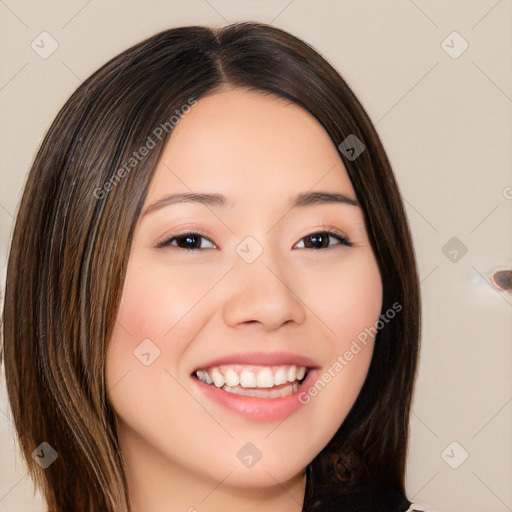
pixel 281 376
pixel 265 378
pixel 247 376
pixel 218 378
pixel 247 379
pixel 232 378
pixel 204 376
pixel 264 393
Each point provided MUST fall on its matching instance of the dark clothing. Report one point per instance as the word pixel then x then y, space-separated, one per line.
pixel 378 500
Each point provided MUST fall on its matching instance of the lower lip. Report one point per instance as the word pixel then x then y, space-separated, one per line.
pixel 257 409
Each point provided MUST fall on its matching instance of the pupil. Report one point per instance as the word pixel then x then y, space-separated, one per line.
pixel 192 240
pixel 318 240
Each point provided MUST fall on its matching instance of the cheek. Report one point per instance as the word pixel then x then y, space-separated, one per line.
pixel 154 318
pixel 160 311
pixel 350 304
pixel 160 303
pixel 350 298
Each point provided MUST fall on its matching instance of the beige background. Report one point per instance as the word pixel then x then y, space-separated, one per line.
pixel 447 126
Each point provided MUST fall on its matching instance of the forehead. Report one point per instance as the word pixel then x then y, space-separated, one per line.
pixel 239 142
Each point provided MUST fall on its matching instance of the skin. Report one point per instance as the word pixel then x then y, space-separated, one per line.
pixel 180 447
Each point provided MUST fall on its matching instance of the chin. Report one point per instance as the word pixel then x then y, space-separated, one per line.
pixel 259 477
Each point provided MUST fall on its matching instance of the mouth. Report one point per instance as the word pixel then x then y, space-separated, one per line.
pixel 260 386
pixel 257 381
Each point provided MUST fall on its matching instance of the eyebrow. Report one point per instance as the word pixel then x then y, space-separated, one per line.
pixel 219 201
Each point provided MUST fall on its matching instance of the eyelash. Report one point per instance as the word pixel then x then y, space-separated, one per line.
pixel 166 242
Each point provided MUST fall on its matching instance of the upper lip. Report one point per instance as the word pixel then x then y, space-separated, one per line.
pixel 262 359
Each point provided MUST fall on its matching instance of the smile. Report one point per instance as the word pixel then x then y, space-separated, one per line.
pixel 255 380
pixel 258 393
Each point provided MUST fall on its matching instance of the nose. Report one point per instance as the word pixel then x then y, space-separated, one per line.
pixel 263 293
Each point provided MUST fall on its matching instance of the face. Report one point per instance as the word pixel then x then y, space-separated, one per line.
pixel 249 288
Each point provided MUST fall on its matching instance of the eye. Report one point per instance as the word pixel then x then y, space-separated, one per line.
pixel 320 240
pixel 192 241
pixel 186 241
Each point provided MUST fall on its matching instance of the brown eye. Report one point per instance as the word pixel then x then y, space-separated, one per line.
pixel 185 241
pixel 192 241
pixel 321 240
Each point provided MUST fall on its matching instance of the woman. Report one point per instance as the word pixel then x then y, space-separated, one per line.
pixel 272 368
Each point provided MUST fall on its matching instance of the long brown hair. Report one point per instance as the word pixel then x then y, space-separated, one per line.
pixel 72 238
